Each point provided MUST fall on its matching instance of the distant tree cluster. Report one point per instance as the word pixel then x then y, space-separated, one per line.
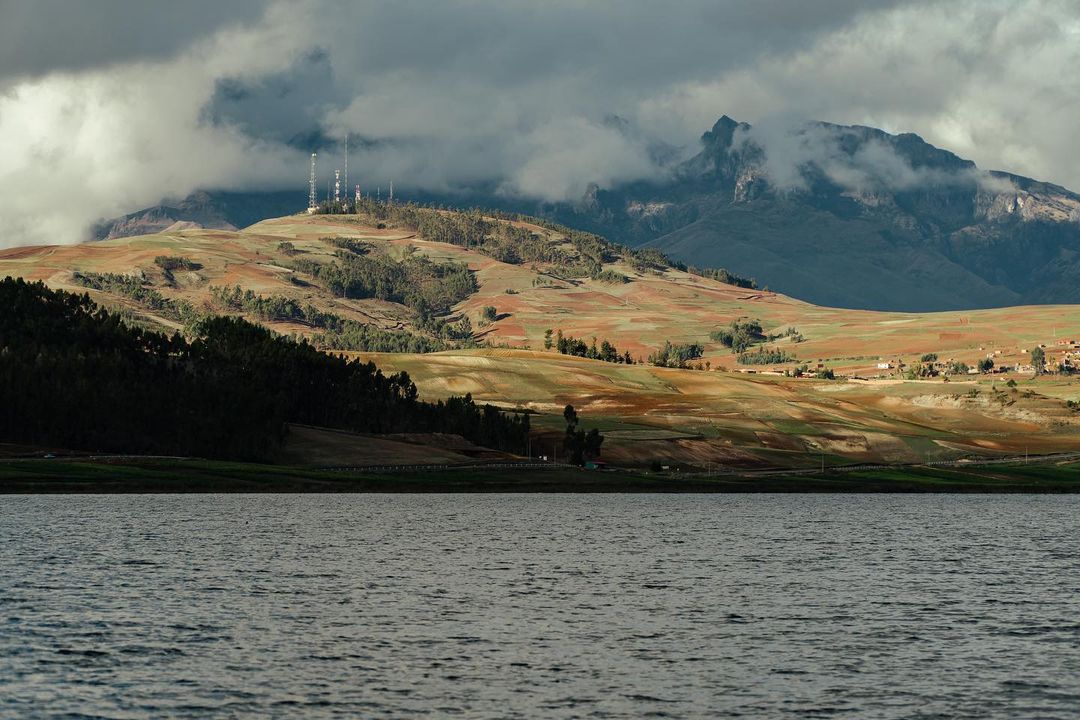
pixel 480 231
pixel 471 228
pixel 352 245
pixel 722 275
pixel 578 444
pixel 739 335
pixel 73 375
pixel 789 332
pixel 338 333
pixel 1038 359
pixel 765 356
pixel 805 371
pixel 569 345
pixel 270 308
pixel 957 368
pixel 610 276
pixel 925 370
pixel 137 290
pixel 675 356
pixel 170 263
pixel 361 337
pixel 414 281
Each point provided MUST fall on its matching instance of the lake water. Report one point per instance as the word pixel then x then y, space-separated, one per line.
pixel 496 606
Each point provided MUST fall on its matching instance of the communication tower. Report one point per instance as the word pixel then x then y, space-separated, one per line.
pixel 337 187
pixel 346 178
pixel 391 201
pixel 356 197
pixel 311 203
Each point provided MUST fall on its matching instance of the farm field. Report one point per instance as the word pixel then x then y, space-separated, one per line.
pixel 702 419
pixel 692 418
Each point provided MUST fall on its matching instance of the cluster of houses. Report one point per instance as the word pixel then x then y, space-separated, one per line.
pixel 1067 358
pixel 1063 358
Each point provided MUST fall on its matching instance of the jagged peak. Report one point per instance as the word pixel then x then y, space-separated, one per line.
pixel 722 132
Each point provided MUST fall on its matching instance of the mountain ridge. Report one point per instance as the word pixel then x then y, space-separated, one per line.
pixel 863 219
pixel 838 215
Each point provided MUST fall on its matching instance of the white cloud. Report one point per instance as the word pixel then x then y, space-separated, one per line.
pixel 79 146
pixel 510 94
pixel 994 82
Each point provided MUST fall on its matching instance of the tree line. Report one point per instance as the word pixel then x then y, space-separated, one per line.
pixel 471 228
pixel 676 356
pixel 569 345
pixel 74 375
pixel 415 281
pixel 134 287
pixel 337 333
pixel 740 335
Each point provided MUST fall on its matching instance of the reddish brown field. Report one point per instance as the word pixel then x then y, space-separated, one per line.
pixel 708 416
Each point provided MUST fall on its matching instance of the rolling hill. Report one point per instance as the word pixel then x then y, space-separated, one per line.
pixel 731 413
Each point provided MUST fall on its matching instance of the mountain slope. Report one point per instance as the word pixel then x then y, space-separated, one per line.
pixel 853 217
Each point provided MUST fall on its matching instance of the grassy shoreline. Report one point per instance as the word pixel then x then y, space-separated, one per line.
pixel 160 475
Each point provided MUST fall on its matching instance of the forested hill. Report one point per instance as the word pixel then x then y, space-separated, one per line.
pixel 73 375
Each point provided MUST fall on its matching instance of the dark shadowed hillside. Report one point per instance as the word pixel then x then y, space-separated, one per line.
pixel 854 217
pixel 210 210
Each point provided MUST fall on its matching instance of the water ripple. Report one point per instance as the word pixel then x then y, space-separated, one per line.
pixel 490 606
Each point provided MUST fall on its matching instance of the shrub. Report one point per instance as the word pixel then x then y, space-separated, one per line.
pixel 169 263
pixel 740 335
pixel 765 356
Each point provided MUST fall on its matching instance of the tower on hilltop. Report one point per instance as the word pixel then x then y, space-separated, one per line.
pixel 312 203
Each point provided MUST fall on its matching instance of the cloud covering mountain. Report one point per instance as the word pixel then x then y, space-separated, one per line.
pixel 108 107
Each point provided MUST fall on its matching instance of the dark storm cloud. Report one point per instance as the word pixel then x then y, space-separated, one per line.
pixel 139 100
pixel 42 36
pixel 283 107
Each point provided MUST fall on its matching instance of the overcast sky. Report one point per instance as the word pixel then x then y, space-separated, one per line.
pixel 108 106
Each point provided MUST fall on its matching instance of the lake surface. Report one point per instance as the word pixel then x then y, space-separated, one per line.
pixel 495 606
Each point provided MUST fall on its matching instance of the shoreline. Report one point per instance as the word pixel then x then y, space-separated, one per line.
pixel 172 475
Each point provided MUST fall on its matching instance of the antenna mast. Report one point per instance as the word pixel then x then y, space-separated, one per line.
pixel 391 192
pixel 312 204
pixel 337 187
pixel 346 164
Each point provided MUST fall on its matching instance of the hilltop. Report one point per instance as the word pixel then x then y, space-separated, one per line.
pixel 471 297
